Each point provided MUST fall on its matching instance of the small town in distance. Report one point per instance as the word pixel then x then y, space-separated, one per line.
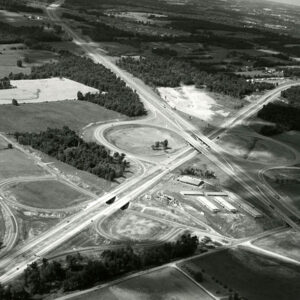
pixel 149 150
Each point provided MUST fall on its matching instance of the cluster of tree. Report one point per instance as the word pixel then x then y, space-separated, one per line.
pixel 160 145
pixel 5 83
pixel 131 106
pixel 292 95
pixel 285 117
pixel 164 52
pixel 291 72
pixel 78 272
pixel 18 6
pixel 29 35
pixel 102 32
pixel 152 70
pixel 198 172
pixel 114 94
pixel 66 146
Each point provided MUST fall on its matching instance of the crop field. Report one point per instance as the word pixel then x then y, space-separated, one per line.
pixel 251 275
pixel 285 243
pixel 43 90
pixel 14 163
pixel 130 226
pixel 11 53
pixel 167 283
pixel 40 116
pixel 138 139
pixel 257 149
pixel 48 194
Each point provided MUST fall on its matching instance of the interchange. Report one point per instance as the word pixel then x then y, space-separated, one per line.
pixel 126 193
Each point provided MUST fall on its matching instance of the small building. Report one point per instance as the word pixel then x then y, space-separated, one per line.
pixel 217 194
pixel 225 204
pixel 208 204
pixel 192 193
pixel 191 180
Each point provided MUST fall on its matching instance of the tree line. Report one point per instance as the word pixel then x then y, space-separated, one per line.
pixel 66 146
pixel 78 272
pixel 152 70
pixel 29 35
pixel 114 94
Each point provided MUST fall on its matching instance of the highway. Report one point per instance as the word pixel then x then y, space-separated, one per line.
pixel 15 263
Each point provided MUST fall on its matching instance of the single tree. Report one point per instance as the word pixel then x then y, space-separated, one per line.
pixel 15 102
pixel 19 63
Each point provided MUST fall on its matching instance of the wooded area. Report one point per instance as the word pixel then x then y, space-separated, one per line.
pixel 159 71
pixel 66 146
pixel 78 272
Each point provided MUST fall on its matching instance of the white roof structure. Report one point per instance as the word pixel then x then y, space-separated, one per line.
pixel 208 204
pixel 225 204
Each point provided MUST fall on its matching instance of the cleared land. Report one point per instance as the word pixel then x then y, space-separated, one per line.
pixel 165 284
pixel 14 163
pixel 129 226
pixel 253 276
pixel 48 194
pixel 256 149
pixel 43 90
pixel 37 117
pixel 193 101
pixel 138 139
pixel 285 243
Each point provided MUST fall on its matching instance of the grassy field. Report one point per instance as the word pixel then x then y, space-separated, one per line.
pixel 129 226
pixel 14 163
pixel 252 276
pixel 165 284
pixel 285 243
pixel 43 90
pixel 37 117
pixel 139 139
pixel 288 184
pixel 10 53
pixel 45 194
pixel 255 149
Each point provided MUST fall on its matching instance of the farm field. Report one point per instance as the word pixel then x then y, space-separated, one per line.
pixel 138 139
pixel 14 163
pixel 167 283
pixel 37 117
pixel 48 194
pixel 11 53
pixel 43 90
pixel 251 275
pixel 285 243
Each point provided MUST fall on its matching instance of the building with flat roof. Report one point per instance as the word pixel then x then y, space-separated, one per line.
pixel 191 180
pixel 225 204
pixel 208 204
